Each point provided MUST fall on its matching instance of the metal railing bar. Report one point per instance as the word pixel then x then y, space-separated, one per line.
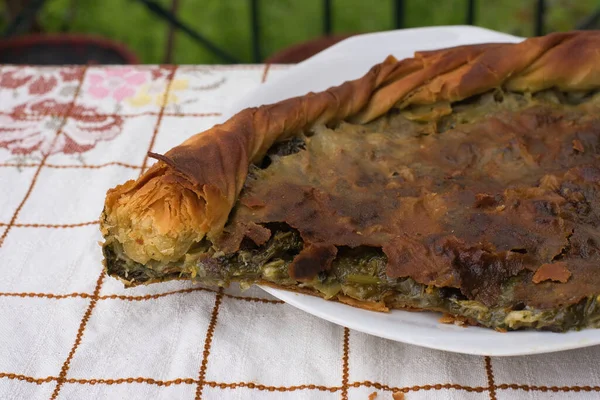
pixel 255 27
pixel 470 12
pixel 168 58
pixel 176 22
pixel 399 13
pixel 590 22
pixel 540 14
pixel 327 11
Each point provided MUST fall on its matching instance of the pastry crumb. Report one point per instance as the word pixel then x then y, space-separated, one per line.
pixel 373 396
pixel 398 396
pixel 457 320
pixel 369 305
pixel 557 272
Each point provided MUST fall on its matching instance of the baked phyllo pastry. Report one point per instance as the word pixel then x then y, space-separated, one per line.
pixel 464 180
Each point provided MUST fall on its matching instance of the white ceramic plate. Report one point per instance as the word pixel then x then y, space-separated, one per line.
pixel 350 59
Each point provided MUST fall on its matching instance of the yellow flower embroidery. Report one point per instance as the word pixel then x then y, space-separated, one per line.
pixel 156 93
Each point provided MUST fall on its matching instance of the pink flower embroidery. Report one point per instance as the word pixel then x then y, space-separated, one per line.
pixel 119 82
pixel 24 130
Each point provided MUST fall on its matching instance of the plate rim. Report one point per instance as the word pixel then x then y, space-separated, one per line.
pixel 516 350
pixel 299 300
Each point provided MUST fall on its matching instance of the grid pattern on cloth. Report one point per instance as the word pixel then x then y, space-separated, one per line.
pixel 67 331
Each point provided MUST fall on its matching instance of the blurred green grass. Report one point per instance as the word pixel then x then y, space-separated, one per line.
pixel 285 22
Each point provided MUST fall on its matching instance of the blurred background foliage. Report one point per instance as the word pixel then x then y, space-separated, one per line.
pixel 283 22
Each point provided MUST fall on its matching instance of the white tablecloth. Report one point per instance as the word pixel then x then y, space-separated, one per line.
pixel 69 332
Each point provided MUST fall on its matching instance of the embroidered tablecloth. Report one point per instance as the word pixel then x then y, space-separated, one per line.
pixel 69 332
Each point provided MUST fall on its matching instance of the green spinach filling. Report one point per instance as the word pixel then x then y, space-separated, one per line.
pixel 357 273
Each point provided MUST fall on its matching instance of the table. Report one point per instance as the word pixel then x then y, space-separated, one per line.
pixel 67 134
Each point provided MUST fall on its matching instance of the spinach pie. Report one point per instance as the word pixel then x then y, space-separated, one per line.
pixel 464 180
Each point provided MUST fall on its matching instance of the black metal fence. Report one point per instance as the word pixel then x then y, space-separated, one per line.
pixel 399 14
pixel 25 19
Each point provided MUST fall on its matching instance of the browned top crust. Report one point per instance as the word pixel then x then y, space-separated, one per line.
pixel 556 271
pixel 467 208
pixel 191 191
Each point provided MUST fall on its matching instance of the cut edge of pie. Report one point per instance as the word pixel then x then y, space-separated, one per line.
pixel 176 220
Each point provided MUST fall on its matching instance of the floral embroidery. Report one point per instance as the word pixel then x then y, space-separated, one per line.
pixel 43 85
pixel 119 83
pixel 28 131
pixel 156 93
pixel 14 79
pixel 37 81
pixel 25 130
pixel 70 74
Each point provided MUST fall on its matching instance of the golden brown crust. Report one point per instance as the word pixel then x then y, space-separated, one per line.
pixel 212 167
pixel 218 159
pixel 557 272
pixel 470 208
pixel 379 306
pixel 216 162
pixel 191 191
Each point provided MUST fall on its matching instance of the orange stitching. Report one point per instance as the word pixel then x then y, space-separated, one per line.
pixel 44 158
pixel 101 381
pixel 134 298
pixel 25 378
pixel 417 388
pixel 151 296
pixel 18 210
pixel 96 295
pixel 265 73
pixel 225 67
pixel 160 116
pixel 254 299
pixel 25 115
pixel 47 295
pixel 157 113
pixel 490 377
pixel 257 386
pixel 235 67
pixel 555 389
pixel 213 114
pixel 72 166
pixel 86 317
pixel 211 86
pixel 208 343
pixel 109 164
pixel 52 225
pixel 252 385
pixel 188 290
pixel 118 381
pixel 345 364
pixel 178 381
pixel 17 165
